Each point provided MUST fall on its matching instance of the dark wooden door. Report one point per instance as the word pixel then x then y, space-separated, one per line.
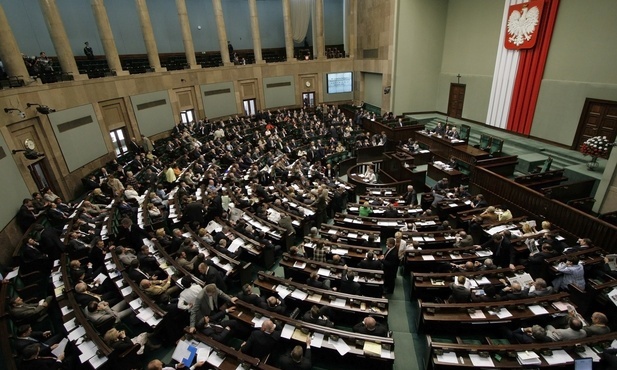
pixel 456 100
pixel 599 118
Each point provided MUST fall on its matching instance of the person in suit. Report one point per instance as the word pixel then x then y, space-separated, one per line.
pixel 247 295
pixel 84 296
pixel 572 332
pixel 527 335
pixel 460 292
pixel 297 359
pixel 212 303
pixel 261 342
pixel 390 262
pixel 348 285
pixel 46 341
pixel 131 235
pixel 370 263
pixel 370 326
pixel 313 281
pixel 193 214
pixel 319 316
pixel 19 310
pixel 210 275
pixel 285 222
pixel 411 196
pixel 26 216
pixel 273 304
pixel 503 254
pixel 463 239
pixel 33 360
pixel 390 212
pixel 479 202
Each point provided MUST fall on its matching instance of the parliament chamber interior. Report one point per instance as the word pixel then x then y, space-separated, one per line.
pixel 308 184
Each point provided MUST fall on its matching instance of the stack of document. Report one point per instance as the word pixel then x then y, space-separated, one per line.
pixel 528 358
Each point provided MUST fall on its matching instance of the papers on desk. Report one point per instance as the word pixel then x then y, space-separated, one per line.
pixel 478 361
pixel 537 309
pixel 145 314
pixel 561 306
pixel 429 239
pixel 612 295
pixel 126 291
pixel 70 325
pixel 203 352
pixel 498 229
pixel 339 251
pixel 88 350
pixel 185 352
pixel 455 256
pixel 323 271
pixel 317 340
pixel 503 313
pixel 559 356
pixel 66 310
pixel 448 358
pixel 60 349
pixel 339 302
pixel 59 290
pixel 237 243
pixel 478 314
pixel 524 279
pixel 482 253
pixel 287 331
pixel 331 231
pixel 214 227
pixel 283 291
pixel 386 223
pixel 417 238
pixel 452 205
pixel 77 333
pixel 589 353
pixel 372 348
pixel 298 294
pixel 354 236
pixel 97 361
pixel 135 304
pixel 428 257
pixel 340 346
pixel 258 321
pixel 483 281
pixel 299 335
pixel 314 298
pixel 349 220
pixel 528 358
pixel 101 278
pixel 299 264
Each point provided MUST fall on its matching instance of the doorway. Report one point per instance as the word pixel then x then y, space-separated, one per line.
pixel 250 107
pixel 187 116
pixel 118 140
pixel 40 175
pixel 599 118
pixel 456 100
pixel 308 99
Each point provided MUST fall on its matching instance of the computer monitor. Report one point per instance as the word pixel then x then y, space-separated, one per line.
pixel 583 363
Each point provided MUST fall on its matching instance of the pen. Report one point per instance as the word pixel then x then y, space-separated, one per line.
pixel 460 358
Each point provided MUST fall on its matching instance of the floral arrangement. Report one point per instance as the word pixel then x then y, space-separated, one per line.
pixel 596 146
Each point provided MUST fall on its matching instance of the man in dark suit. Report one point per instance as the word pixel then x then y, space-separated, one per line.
pixel 262 342
pixel 210 275
pixel 26 216
pixel 193 214
pixel 503 253
pixel 390 212
pixel 297 359
pixel 411 196
pixel 348 285
pixel 131 235
pixel 274 304
pixel 370 263
pixel 46 341
pixel 369 326
pixel 390 263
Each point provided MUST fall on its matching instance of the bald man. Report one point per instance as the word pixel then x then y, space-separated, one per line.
pixel 261 342
pixel 371 327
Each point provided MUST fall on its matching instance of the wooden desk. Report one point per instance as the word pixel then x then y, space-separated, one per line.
pixel 507 352
pixel 233 357
pixel 354 307
pixel 246 313
pixel 432 239
pixel 351 253
pixel 299 268
pixel 454 177
pixel 445 148
pixel 350 236
pixel 445 314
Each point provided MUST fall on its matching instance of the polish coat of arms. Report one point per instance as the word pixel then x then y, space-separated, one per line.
pixel 523 21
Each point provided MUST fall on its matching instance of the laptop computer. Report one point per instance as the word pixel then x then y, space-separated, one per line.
pixel 583 363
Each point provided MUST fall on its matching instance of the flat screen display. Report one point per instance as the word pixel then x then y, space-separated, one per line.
pixel 340 82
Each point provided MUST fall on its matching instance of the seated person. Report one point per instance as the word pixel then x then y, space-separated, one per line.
pixel 571 273
pixel 297 359
pixel 528 335
pixel 460 292
pixel 44 339
pixel 348 285
pixel 160 291
pixel 99 312
pixel 574 331
pixel 313 281
pixel 369 176
pixel 599 325
pixel 247 295
pixel 370 263
pixel 539 288
pixel 273 304
pixel 514 291
pixel 319 316
pixel 370 326
pixel 261 342
pixel 33 360
pixel 365 209
pixel 19 310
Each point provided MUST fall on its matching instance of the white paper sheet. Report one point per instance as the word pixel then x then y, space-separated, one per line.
pixel 298 294
pixel 478 361
pixel 323 271
pixel 559 356
pixel 215 360
pixel 77 333
pixel 60 349
pixel 448 357
pixel 288 331
pixel 258 321
pixel 340 346
pixel 203 353
pixel 537 309
pixel 317 340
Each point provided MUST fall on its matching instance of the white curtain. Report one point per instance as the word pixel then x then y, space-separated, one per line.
pixel 300 18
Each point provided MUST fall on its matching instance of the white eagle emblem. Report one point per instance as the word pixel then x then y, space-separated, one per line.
pixel 522 25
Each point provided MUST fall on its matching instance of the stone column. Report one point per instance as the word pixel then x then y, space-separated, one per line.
pixel 60 39
pixel 146 30
pixel 9 50
pixel 352 28
pixel 107 37
pixel 289 41
pixel 255 32
pixel 320 48
pixel 187 37
pixel 220 27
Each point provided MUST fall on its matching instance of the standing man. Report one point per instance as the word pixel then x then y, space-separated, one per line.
pixel 146 144
pixel 390 263
pixel 88 51
pixel 230 48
